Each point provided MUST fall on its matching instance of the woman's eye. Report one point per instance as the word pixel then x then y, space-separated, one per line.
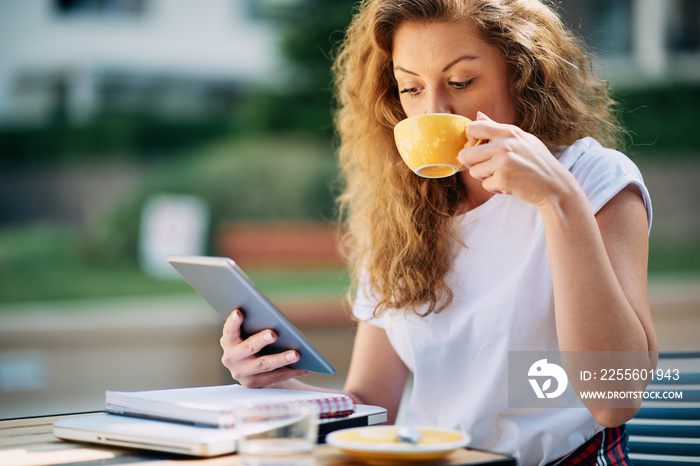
pixel 412 91
pixel 460 85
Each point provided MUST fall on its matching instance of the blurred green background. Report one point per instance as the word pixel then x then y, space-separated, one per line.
pixel 263 153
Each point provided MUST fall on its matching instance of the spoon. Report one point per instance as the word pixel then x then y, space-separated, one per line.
pixel 408 435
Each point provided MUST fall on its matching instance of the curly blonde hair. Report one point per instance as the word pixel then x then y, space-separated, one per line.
pixel 399 226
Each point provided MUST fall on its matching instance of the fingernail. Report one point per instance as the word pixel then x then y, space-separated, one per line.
pixel 291 356
pixel 236 315
pixel 269 336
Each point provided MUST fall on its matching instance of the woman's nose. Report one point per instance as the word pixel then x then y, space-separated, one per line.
pixel 438 103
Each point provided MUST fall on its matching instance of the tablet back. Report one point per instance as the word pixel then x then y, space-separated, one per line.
pixel 226 287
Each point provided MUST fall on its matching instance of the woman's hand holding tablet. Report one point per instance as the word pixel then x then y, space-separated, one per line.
pixel 263 346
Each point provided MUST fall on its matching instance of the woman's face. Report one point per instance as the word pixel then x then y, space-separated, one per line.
pixel 446 67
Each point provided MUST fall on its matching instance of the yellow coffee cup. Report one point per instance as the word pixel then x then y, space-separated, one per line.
pixel 430 143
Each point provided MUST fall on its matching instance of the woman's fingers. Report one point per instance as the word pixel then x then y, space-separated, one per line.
pixel 267 363
pixel 261 371
pixel 472 138
pixel 241 355
pixel 474 155
pixel 494 184
pixel 485 129
pixel 482 170
pixel 267 379
pixel 232 327
pixel 237 350
pixel 255 343
pixel 245 367
pixel 481 134
pixel 232 340
pixel 513 162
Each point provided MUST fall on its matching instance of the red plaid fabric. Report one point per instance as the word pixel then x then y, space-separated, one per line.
pixel 607 447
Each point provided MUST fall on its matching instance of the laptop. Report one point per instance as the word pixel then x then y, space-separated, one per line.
pixel 185 439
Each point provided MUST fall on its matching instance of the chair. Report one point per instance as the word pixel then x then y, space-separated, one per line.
pixel 667 431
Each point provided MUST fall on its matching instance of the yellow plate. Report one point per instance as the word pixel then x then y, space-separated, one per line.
pixel 379 445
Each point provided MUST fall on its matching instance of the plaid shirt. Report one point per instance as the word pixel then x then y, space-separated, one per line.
pixel 607 447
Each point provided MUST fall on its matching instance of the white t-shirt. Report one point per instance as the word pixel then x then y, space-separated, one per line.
pixel 503 301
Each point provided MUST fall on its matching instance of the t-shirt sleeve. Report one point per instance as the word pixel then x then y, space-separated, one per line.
pixel 603 173
pixel 365 304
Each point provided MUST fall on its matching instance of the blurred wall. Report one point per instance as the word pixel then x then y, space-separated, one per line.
pixel 74 58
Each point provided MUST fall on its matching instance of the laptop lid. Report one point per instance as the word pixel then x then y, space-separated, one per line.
pixel 124 431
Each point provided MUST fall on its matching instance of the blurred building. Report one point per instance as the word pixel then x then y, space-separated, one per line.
pixel 639 41
pixel 69 59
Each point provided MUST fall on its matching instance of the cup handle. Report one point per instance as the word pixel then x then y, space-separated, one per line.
pixel 477 143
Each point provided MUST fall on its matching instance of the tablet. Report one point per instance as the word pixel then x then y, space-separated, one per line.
pixel 226 287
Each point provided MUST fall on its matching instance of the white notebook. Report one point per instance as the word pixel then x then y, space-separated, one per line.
pixel 172 437
pixel 215 405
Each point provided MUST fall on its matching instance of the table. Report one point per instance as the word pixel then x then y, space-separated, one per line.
pixel 30 442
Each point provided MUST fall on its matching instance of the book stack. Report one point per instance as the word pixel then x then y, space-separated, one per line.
pixel 215 406
pixel 200 421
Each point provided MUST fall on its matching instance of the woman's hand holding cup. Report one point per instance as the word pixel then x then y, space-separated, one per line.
pixel 515 162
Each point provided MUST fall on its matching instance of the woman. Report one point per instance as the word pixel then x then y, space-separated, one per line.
pixel 539 244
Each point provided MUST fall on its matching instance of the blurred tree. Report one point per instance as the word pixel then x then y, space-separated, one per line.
pixel 303 101
pixel 661 118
